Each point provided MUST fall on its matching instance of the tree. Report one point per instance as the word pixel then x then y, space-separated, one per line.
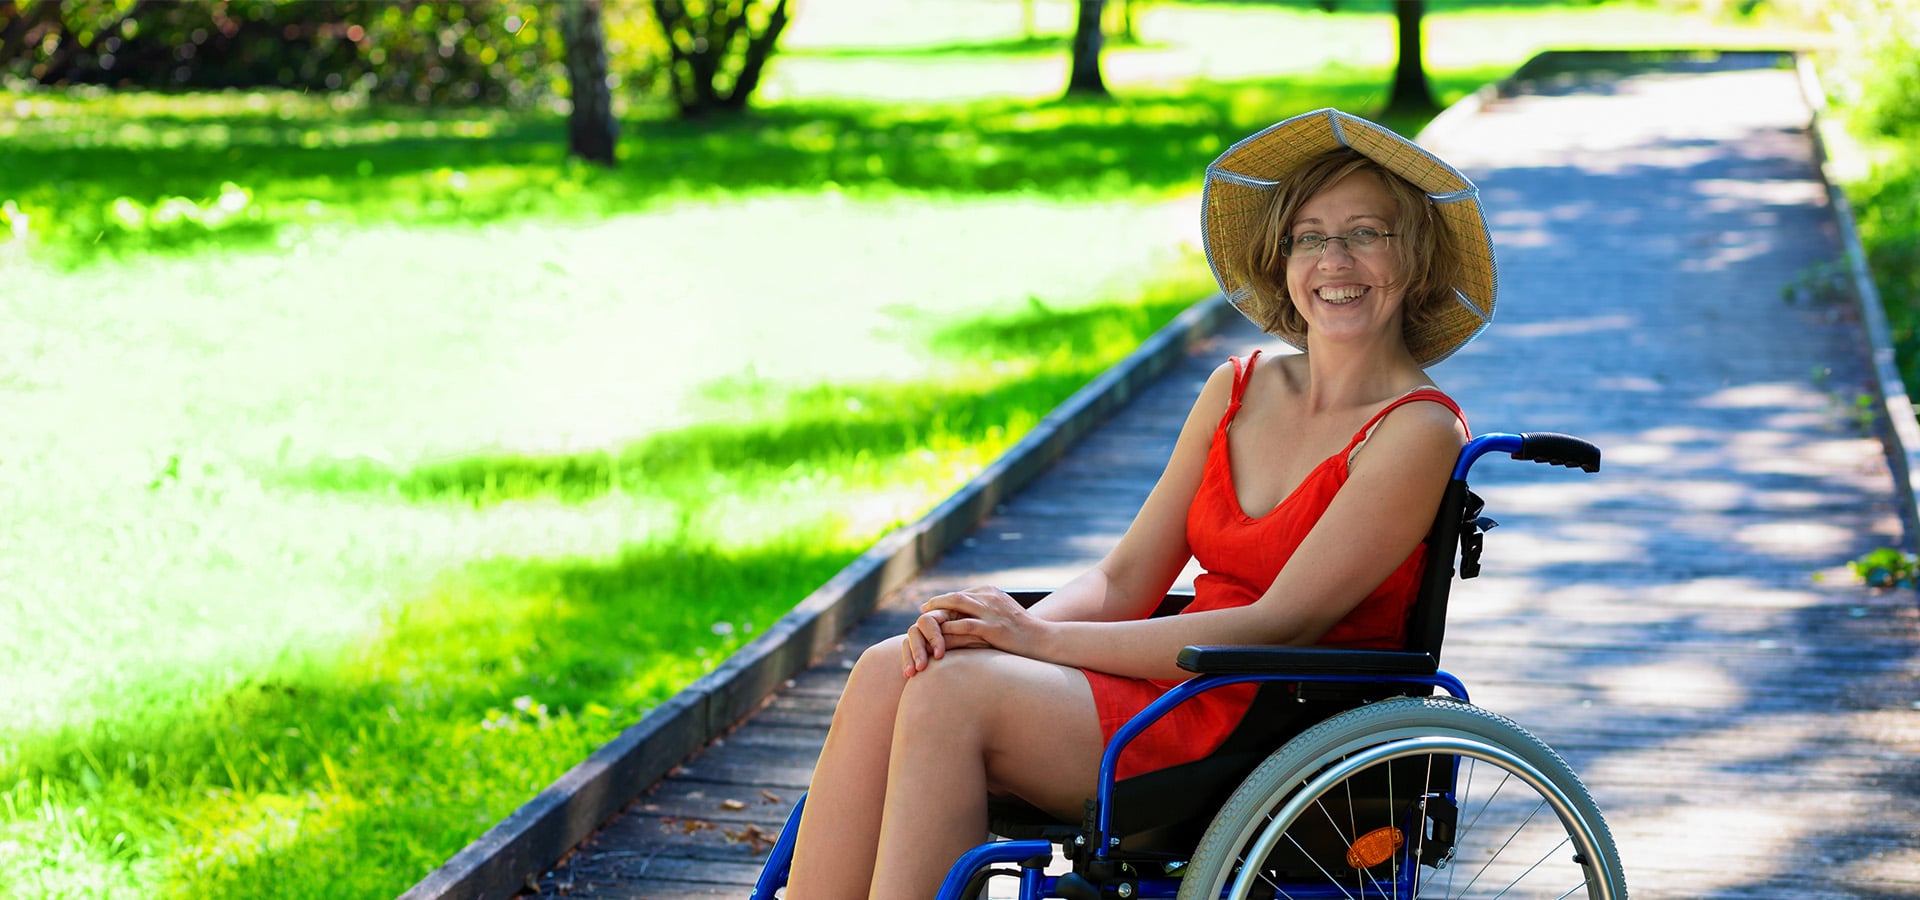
pixel 1087 38
pixel 717 49
pixel 420 51
pixel 1410 90
pixel 591 129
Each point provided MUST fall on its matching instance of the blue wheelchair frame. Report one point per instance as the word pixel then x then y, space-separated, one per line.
pixel 1033 855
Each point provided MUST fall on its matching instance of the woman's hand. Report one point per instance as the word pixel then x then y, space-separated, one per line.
pixel 985 617
pixel 924 642
pixel 931 635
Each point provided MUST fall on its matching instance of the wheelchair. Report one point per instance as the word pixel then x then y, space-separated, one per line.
pixel 1379 787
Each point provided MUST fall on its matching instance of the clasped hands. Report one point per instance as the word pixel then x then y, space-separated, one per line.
pixel 976 617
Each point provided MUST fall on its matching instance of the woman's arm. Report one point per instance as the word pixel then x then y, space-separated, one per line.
pixel 1131 581
pixel 1372 525
pixel 1133 578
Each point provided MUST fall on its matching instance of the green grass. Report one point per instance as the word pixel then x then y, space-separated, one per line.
pixel 401 463
pixel 1878 88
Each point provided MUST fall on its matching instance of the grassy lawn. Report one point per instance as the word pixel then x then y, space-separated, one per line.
pixel 367 468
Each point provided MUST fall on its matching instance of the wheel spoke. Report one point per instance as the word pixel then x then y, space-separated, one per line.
pixel 1536 864
pixel 1495 855
pixel 1316 864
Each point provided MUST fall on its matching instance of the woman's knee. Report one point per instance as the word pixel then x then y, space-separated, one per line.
pixel 876 677
pixel 959 685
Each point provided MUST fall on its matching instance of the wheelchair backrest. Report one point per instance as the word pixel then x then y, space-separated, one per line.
pixel 1457 527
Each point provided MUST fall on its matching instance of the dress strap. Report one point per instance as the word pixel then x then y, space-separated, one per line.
pixel 1428 394
pixel 1242 373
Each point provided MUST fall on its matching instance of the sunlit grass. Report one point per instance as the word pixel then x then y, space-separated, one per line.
pixel 394 463
pixel 401 515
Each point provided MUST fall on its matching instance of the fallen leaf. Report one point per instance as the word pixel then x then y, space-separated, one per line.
pixel 687 825
pixel 755 839
pixel 732 805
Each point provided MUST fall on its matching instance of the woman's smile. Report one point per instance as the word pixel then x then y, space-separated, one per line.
pixel 1341 294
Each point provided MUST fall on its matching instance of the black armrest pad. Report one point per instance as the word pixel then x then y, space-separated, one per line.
pixel 1174 602
pixel 1304 661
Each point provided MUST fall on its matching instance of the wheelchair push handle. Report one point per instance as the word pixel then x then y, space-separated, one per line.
pixel 1559 450
pixel 1537 446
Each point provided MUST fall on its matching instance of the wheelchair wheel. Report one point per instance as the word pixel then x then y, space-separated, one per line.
pixel 1412 797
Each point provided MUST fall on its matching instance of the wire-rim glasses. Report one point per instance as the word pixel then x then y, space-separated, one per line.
pixel 1313 243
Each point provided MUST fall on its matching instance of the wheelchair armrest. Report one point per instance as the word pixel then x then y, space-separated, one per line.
pixel 1173 603
pixel 1230 660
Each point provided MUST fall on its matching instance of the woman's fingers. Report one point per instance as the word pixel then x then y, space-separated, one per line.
pixel 972 603
pixel 924 642
pixel 907 663
pixel 929 626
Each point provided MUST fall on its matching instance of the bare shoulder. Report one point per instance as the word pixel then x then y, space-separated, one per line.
pixel 1425 412
pixel 1422 430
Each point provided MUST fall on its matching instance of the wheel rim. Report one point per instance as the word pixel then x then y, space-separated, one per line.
pixel 1504 846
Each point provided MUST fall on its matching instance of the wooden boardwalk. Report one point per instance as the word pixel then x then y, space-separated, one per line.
pixel 1681 626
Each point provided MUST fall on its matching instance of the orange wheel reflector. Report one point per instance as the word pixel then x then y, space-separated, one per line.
pixel 1374 847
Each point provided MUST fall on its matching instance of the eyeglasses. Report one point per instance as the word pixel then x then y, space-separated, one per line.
pixel 1359 240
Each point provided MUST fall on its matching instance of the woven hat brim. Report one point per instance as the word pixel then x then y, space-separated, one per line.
pixel 1238 182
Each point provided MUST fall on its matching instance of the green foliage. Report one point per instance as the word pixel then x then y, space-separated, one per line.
pixel 424 51
pixel 1887 568
pixel 1877 82
pixel 1887 209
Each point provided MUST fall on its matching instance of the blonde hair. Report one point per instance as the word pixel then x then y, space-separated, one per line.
pixel 1430 259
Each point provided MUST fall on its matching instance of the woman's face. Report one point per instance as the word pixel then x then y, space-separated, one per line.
pixel 1346 292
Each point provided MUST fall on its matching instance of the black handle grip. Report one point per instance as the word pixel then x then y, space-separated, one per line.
pixel 1559 449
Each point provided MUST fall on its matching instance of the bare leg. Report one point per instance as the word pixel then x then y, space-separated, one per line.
pixel 840 827
pixel 975 721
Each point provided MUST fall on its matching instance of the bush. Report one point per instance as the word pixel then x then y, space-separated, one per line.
pixel 415 51
pixel 1876 81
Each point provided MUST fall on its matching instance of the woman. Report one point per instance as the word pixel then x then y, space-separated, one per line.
pixel 1302 484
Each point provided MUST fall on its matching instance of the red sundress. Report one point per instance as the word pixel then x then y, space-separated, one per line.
pixel 1242 555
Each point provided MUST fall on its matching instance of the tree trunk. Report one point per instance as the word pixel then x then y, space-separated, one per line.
pixel 1410 91
pixel 759 49
pixel 591 130
pixel 716 56
pixel 1085 78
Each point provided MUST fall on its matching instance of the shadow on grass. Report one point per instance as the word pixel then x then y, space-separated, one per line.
pixel 1036 45
pixel 362 167
pixel 816 427
pixel 366 773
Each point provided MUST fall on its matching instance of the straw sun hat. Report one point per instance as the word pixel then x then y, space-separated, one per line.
pixel 1236 197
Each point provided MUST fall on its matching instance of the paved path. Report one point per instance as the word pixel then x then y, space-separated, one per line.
pixel 1680 626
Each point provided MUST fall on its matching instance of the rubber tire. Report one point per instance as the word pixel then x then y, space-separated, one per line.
pixel 1244 815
